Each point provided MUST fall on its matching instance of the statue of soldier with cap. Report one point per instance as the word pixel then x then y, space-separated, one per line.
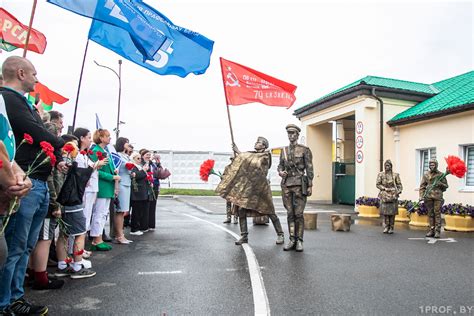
pixel 245 185
pixel 431 191
pixel 296 171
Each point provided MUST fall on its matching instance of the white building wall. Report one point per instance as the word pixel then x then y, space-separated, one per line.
pixel 184 168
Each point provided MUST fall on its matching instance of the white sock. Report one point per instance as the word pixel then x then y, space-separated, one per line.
pixel 62 265
pixel 77 265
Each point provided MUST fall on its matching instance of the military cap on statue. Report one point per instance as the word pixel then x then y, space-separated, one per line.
pixel 292 128
pixel 263 140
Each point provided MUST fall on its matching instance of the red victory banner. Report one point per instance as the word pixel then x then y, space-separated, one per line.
pixel 246 85
pixel 14 33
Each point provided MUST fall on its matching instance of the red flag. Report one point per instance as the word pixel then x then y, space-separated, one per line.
pixel 245 85
pixel 47 96
pixel 14 32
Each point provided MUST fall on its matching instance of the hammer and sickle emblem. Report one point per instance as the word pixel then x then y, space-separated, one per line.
pixel 232 79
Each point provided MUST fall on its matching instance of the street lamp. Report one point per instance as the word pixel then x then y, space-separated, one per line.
pixel 119 76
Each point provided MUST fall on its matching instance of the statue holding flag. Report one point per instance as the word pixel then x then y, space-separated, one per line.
pixel 245 185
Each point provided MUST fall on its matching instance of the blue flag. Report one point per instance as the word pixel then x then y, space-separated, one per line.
pixel 183 52
pixel 122 14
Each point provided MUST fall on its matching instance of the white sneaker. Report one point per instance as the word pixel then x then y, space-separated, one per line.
pixel 151 229
pixel 145 231
pixel 137 233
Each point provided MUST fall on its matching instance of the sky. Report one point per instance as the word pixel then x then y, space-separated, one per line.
pixel 319 46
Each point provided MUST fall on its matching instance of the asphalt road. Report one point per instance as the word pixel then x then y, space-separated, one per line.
pixel 190 266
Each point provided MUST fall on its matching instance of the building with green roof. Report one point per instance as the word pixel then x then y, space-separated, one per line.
pixel 354 129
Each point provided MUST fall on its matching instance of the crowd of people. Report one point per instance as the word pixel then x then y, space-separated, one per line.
pixel 57 192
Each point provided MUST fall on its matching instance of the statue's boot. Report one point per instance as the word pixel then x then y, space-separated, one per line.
pixel 299 245
pixel 391 220
pixel 243 232
pixel 292 242
pixel 431 232
pixel 279 230
pixel 385 224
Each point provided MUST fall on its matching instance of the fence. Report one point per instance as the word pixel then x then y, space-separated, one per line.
pixel 184 168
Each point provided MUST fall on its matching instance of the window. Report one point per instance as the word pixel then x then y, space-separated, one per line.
pixel 469 159
pixel 425 156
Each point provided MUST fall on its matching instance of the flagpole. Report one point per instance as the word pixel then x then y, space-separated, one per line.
pixel 227 104
pixel 79 86
pixel 29 28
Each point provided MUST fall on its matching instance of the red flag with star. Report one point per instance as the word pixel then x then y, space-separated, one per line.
pixel 245 85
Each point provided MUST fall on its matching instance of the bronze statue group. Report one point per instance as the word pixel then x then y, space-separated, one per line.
pixel 244 184
pixel 246 189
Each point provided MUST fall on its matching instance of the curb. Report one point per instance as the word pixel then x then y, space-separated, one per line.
pixel 199 208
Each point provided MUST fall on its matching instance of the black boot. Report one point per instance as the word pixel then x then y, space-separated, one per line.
pixel 227 221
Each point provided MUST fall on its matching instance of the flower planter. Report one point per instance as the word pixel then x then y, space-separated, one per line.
pixel 419 220
pixel 402 215
pixel 459 223
pixel 368 211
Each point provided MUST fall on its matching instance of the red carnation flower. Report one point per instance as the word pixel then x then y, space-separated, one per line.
pixel 1 164
pixel 83 152
pixel 27 138
pixel 456 166
pixel 69 148
pixel 90 152
pixel 100 156
pixel 46 147
pixel 68 260
pixel 52 159
pixel 206 169
pixel 129 165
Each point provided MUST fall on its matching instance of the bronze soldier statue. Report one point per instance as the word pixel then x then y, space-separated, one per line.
pixel 296 170
pixel 245 185
pixel 228 205
pixel 390 186
pixel 434 198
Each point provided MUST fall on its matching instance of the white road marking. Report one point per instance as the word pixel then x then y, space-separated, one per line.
pixel 434 240
pixel 160 272
pixel 260 299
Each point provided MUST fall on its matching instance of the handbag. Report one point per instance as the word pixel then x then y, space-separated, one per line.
pixel 163 173
pixel 72 191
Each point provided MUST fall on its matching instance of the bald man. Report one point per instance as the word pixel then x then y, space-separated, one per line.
pixel 21 234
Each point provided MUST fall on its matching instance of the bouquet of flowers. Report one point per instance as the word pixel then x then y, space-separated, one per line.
pixel 368 201
pixel 455 166
pixel 149 178
pixel 130 166
pixel 47 155
pixel 206 169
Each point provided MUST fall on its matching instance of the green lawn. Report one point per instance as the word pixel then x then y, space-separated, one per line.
pixel 197 192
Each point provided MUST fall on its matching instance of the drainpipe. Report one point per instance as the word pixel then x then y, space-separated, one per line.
pixel 380 129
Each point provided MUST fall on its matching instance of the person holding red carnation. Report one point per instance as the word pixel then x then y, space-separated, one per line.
pixel 139 197
pixel 432 186
pixel 122 147
pixel 107 178
pixel 24 225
